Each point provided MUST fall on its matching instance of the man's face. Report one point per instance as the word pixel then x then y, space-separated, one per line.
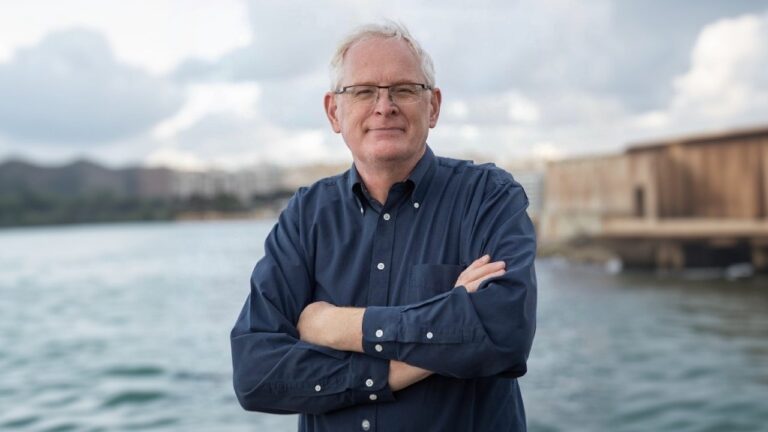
pixel 383 132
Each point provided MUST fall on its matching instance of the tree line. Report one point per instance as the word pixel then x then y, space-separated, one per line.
pixel 29 207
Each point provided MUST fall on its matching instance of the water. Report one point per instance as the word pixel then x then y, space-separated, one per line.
pixel 124 327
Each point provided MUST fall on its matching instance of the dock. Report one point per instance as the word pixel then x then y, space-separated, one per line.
pixel 698 200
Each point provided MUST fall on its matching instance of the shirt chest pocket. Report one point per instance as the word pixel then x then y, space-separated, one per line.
pixel 429 280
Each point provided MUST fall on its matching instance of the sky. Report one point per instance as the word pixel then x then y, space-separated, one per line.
pixel 197 84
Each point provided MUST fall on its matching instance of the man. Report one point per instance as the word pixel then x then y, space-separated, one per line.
pixel 378 304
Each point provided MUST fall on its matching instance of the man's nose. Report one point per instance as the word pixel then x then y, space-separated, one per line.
pixel 384 103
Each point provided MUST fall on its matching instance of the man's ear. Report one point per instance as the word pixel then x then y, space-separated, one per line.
pixel 330 110
pixel 434 102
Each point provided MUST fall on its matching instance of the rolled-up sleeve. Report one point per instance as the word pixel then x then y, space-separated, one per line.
pixel 276 372
pixel 468 335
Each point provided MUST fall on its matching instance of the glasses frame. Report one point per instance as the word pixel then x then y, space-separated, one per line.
pixel 345 90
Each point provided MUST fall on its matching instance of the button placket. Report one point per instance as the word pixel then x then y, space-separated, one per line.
pixel 382 268
pixel 381 258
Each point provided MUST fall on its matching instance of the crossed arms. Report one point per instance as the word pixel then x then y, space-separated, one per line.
pixel 341 328
pixel 292 354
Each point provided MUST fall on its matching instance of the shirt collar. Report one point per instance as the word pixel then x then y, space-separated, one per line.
pixel 419 178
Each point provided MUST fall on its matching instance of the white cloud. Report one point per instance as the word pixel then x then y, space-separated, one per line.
pixel 547 151
pixel 289 38
pixel 153 34
pixel 227 140
pixel 175 158
pixel 655 119
pixel 728 57
pixel 530 77
pixel 296 103
pixel 510 107
pixel 522 109
pixel 726 83
pixel 455 110
pixel 70 89
pixel 203 99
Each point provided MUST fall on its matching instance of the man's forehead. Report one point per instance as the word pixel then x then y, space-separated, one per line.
pixel 381 56
pixel 380 41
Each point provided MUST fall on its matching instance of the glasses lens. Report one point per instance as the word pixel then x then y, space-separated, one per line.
pixel 399 94
pixel 405 93
pixel 362 93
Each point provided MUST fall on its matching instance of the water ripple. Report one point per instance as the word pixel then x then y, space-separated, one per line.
pixel 134 397
pixel 159 423
pixel 65 427
pixel 134 371
pixel 126 329
pixel 20 422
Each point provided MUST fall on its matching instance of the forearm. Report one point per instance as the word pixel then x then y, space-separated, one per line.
pixel 274 372
pixel 402 375
pixel 454 334
pixel 341 328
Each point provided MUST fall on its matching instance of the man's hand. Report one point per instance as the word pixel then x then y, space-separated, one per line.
pixel 480 270
pixel 322 323
pixel 340 328
pixel 402 375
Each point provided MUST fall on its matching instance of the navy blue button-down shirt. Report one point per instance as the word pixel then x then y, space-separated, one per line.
pixel 400 260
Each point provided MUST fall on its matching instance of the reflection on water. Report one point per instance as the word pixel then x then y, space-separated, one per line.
pixel 637 352
pixel 125 327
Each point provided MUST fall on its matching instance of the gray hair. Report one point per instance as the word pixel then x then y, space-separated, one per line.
pixel 386 30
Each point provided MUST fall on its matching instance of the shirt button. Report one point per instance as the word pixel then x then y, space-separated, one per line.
pixel 380 266
pixel 430 335
pixel 318 388
pixel 379 333
pixel 378 348
pixel 386 216
pixel 369 382
pixel 366 425
pixel 416 205
pixel 372 397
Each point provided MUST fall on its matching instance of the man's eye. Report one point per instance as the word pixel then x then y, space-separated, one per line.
pixel 362 92
pixel 404 91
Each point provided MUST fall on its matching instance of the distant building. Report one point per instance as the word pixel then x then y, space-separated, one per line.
pixel 692 201
pixel 244 184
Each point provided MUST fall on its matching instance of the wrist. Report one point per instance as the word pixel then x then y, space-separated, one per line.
pixel 402 375
pixel 347 325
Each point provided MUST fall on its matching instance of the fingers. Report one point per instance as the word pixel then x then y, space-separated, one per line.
pixel 470 275
pixel 475 284
pixel 479 262
pixel 480 270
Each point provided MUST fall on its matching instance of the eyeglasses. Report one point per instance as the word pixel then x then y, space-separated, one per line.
pixel 399 94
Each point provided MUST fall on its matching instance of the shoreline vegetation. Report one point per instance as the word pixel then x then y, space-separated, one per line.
pixel 26 209
pixel 83 191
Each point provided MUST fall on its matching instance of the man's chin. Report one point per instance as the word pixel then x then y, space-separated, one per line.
pixel 390 153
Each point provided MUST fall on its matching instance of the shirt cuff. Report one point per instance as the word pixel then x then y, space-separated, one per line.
pixel 380 329
pixel 369 379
